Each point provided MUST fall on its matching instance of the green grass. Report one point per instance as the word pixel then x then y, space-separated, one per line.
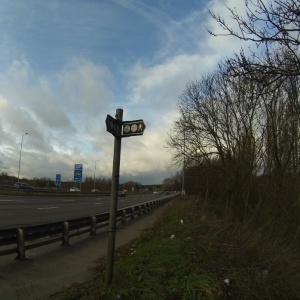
pixel 193 264
pixel 161 266
pixel 157 265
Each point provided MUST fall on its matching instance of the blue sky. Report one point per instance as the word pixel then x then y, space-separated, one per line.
pixel 66 64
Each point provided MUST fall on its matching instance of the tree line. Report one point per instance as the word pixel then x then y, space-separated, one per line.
pixel 102 184
pixel 238 130
pixel 89 183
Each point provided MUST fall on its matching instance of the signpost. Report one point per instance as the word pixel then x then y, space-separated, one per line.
pixel 58 180
pixel 111 125
pixel 118 129
pixel 129 128
pixel 132 128
pixel 78 173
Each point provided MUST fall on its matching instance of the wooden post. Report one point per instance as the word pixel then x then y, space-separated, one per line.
pixel 114 198
pixel 65 236
pixel 20 244
pixel 93 225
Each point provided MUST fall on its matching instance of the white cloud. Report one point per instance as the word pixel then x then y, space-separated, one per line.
pixel 58 112
pixel 156 86
pixel 61 92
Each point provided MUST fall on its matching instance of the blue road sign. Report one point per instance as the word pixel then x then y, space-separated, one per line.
pixel 58 180
pixel 78 173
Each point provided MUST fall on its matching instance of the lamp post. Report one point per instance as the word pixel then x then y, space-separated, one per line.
pixel 183 167
pixel 21 156
pixel 95 173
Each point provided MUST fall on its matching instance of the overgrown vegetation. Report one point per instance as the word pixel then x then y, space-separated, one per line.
pixel 237 140
pixel 238 129
pixel 238 137
pixel 191 254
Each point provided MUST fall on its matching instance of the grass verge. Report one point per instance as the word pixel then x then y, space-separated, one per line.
pixel 191 255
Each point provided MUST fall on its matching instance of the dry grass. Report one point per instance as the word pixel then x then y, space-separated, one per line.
pixel 208 258
pixel 259 262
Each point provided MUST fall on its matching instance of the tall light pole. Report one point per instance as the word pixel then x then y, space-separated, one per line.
pixel 95 173
pixel 183 168
pixel 21 155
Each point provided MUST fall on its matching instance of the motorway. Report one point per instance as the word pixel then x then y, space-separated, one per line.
pixel 20 211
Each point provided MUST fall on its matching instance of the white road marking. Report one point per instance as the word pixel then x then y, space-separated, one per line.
pixel 98 203
pixel 53 207
pixel 11 200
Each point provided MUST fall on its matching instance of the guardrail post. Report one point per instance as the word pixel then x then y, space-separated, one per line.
pixel 93 225
pixel 123 216
pixel 139 210
pixel 143 206
pixel 132 212
pixel 65 236
pixel 20 244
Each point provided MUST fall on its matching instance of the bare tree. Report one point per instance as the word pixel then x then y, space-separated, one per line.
pixel 275 28
pixel 219 116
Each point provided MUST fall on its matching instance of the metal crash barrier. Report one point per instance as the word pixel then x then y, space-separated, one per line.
pixel 18 240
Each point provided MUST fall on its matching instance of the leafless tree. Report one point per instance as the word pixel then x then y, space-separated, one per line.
pixel 220 121
pixel 274 25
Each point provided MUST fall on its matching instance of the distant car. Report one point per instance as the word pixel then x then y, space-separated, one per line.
pixel 95 191
pixel 23 185
pixel 73 189
pixel 121 194
pixel 167 193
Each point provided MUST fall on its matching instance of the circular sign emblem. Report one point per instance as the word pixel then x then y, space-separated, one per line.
pixel 134 128
pixel 126 128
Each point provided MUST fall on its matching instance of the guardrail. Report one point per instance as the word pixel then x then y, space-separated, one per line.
pixel 18 240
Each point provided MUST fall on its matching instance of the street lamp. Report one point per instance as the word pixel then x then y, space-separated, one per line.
pixel 21 155
pixel 95 173
pixel 183 167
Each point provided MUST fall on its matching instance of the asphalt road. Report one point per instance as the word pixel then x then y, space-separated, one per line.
pixel 20 211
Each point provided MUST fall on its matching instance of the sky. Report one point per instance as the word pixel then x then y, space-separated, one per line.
pixel 67 64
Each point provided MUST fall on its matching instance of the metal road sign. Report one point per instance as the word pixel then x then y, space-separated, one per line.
pixel 119 129
pixel 58 180
pixel 78 173
pixel 131 128
pixel 111 125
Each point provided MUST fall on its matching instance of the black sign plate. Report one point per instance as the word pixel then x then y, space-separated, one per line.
pixel 111 125
pixel 131 128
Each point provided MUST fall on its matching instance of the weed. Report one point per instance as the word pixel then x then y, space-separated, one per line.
pixel 189 255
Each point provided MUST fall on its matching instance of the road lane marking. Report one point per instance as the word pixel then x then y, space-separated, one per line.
pixel 98 203
pixel 52 207
pixel 11 200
